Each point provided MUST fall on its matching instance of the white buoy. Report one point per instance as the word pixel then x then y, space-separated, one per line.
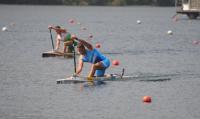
pixel 139 22
pixel 4 29
pixel 169 32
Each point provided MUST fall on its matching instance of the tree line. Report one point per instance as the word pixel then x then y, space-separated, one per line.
pixel 93 2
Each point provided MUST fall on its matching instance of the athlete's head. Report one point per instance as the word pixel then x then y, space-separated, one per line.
pixel 81 48
pixel 58 27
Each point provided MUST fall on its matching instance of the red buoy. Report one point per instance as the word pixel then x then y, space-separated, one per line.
pixel 147 99
pixel 115 62
pixel 98 45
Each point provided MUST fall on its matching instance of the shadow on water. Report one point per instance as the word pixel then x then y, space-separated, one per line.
pixel 187 19
pixel 148 77
pixel 157 80
pixel 143 78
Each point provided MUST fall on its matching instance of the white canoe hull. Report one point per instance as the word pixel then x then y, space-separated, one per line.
pixel 85 79
pixel 111 78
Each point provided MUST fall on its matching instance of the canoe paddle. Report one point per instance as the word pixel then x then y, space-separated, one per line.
pixel 51 39
pixel 74 58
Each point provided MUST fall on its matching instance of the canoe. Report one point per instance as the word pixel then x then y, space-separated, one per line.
pixel 111 77
pixel 61 53
pixel 72 79
pixel 57 53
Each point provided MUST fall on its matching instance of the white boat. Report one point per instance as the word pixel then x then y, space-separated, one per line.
pixel 113 77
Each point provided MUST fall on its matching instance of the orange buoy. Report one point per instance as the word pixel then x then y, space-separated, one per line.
pixel 147 99
pixel 97 45
pixel 115 62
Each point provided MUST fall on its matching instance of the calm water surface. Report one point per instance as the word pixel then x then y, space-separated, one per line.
pixel 27 81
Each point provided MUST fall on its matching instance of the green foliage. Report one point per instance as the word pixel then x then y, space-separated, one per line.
pixel 83 2
pixel 70 2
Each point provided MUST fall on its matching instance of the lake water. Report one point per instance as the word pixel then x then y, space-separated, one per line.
pixel 28 88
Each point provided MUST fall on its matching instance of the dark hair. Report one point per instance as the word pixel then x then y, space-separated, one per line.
pixel 58 27
pixel 80 45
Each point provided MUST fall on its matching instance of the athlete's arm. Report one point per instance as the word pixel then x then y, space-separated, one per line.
pixel 57 29
pixel 80 66
pixel 86 44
